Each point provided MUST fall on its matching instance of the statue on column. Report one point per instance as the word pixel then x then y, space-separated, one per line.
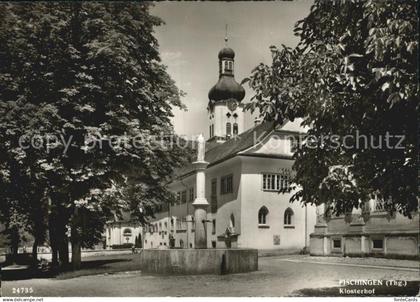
pixel 201 148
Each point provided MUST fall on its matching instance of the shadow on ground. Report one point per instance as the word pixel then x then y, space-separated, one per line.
pixel 88 267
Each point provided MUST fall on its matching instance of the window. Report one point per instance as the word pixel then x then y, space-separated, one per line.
pixel 228 129
pixel 230 65
pixel 184 197
pixel 213 195
pixel 213 230
pixel 232 221
pixel 226 184
pixel 235 129
pixel 276 182
pixel 178 197
pixel 262 215
pixel 288 217
pixel 191 194
pixel 337 243
pixel 378 244
pixel 212 130
pixel 127 233
pixel 214 187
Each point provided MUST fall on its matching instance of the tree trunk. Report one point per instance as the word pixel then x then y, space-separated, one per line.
pixel 76 253
pixel 35 252
pixel 63 252
pixel 53 244
pixel 63 246
pixel 76 240
pixel 14 244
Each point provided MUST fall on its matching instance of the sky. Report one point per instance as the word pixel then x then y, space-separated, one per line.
pixel 193 34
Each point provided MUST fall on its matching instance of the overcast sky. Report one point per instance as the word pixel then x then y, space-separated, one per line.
pixel 194 33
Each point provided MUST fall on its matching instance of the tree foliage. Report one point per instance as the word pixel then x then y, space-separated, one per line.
pixel 90 75
pixel 352 74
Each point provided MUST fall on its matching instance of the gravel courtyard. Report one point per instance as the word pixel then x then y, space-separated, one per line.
pixel 277 276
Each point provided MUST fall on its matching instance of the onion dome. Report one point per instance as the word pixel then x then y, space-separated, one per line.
pixel 225 89
pixel 226 53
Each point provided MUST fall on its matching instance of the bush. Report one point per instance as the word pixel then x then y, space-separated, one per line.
pixel 122 246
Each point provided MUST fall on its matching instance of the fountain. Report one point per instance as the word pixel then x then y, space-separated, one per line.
pixel 199 260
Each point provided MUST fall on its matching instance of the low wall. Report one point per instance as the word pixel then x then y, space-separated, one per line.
pixel 397 245
pixel 199 261
pixel 85 254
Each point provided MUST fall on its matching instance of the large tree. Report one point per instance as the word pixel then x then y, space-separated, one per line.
pixel 90 75
pixel 352 75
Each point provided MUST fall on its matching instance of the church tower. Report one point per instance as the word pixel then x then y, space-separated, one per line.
pixel 226 116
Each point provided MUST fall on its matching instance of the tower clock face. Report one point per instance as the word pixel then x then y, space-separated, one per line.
pixel 232 105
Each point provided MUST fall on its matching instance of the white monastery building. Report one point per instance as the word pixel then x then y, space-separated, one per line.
pixel 247 169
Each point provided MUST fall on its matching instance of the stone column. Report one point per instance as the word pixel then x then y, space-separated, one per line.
pixel 319 240
pixel 321 225
pixel 200 203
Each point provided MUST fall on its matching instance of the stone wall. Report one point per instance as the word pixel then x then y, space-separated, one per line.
pixel 380 235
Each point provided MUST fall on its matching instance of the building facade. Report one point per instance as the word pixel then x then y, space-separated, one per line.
pixel 247 182
pixel 123 232
pixel 368 232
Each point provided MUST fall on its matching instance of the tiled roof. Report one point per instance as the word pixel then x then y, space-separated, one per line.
pixel 231 147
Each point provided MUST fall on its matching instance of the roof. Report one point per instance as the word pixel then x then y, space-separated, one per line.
pixel 230 148
pixel 226 52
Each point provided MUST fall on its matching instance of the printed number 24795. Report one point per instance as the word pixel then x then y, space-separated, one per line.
pixel 23 290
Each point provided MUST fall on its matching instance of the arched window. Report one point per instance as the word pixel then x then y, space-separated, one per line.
pixel 232 221
pixel 262 215
pixel 235 129
pixel 288 217
pixel 228 129
pixel 127 233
